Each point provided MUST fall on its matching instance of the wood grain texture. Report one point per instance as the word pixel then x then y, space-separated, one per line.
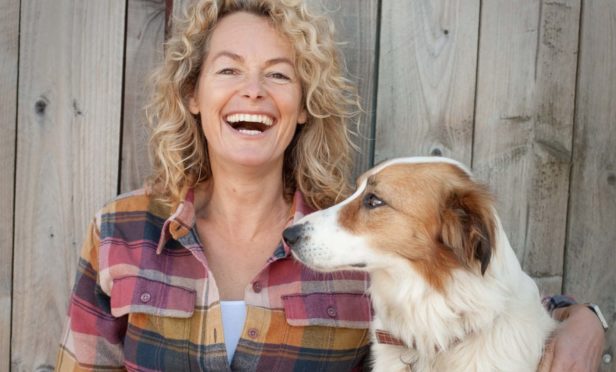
pixel 356 23
pixel 9 44
pixel 591 239
pixel 524 123
pixel 428 56
pixel 68 154
pixel 145 34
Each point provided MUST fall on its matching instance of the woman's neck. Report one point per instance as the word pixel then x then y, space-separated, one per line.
pixel 243 202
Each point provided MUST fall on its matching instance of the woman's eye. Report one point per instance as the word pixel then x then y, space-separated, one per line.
pixel 227 71
pixel 372 201
pixel 279 76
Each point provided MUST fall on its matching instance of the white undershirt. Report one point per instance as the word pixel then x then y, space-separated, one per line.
pixel 233 318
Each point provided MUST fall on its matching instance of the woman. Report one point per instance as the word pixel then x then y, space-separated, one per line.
pixel 249 135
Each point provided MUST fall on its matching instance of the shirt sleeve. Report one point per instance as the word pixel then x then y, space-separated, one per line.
pixel 93 338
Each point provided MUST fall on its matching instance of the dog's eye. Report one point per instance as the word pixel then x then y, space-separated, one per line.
pixel 372 201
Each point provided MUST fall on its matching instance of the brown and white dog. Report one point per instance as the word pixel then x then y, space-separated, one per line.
pixel 447 289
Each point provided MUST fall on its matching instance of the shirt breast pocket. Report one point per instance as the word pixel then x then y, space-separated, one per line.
pixel 159 318
pixel 330 329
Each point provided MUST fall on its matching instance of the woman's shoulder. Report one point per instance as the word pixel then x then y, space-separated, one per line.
pixel 133 207
pixel 138 200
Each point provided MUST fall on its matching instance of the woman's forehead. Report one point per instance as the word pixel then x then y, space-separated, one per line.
pixel 242 34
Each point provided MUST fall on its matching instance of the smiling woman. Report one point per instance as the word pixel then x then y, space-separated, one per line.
pixel 249 134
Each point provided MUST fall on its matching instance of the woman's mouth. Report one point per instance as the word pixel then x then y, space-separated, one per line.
pixel 250 124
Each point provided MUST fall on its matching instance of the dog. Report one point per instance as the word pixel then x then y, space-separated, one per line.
pixel 447 290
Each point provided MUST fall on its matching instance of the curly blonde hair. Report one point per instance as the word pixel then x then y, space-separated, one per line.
pixel 317 162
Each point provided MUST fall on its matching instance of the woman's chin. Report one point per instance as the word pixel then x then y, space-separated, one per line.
pixel 253 159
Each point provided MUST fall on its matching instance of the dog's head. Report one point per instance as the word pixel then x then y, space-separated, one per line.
pixel 423 212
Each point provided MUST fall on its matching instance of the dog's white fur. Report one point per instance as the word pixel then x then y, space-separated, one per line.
pixel 489 322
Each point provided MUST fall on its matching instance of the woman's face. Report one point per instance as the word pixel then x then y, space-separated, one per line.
pixel 248 94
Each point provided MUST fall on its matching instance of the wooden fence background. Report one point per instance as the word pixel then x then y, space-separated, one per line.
pixel 522 90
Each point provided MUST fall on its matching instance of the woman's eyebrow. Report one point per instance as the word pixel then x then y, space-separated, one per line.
pixel 274 61
pixel 238 58
pixel 225 53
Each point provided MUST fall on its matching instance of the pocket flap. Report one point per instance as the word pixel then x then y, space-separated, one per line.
pixel 350 310
pixel 133 294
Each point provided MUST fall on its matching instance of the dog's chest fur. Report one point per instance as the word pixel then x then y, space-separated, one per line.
pixel 486 323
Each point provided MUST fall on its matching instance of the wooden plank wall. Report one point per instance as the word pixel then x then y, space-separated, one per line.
pixel 70 100
pixel 145 34
pixel 591 237
pixel 524 91
pixel 524 124
pixel 426 87
pixel 9 41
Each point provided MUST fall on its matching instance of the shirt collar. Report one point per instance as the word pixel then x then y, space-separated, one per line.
pixel 181 222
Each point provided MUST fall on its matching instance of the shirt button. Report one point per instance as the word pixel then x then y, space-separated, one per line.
pixel 145 297
pixel 253 333
pixel 257 287
pixel 331 311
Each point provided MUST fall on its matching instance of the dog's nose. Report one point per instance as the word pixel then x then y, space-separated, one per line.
pixel 293 234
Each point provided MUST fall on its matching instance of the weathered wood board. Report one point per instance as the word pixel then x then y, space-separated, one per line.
pixel 70 98
pixel 590 261
pixel 9 43
pixel 426 83
pixel 145 35
pixel 524 123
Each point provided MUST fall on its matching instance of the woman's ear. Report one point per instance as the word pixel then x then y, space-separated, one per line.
pixel 193 104
pixel 303 117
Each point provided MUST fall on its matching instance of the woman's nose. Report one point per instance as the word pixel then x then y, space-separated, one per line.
pixel 253 88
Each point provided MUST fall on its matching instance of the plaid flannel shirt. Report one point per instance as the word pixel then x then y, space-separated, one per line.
pixel 144 300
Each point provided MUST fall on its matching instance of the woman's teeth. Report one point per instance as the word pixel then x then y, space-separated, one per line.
pixel 252 118
pixel 249 131
pixel 250 124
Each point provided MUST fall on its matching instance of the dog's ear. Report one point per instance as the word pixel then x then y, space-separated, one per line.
pixel 468 225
